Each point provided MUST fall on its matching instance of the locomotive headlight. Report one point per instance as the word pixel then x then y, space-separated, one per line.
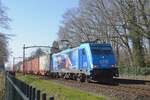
pixel 113 65
pixel 94 66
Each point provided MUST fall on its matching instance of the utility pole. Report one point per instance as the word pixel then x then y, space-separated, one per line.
pixel 24 59
pixel 13 63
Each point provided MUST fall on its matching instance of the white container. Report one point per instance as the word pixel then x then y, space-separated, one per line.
pixel 44 64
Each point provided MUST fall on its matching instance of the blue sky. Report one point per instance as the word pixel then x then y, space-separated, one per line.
pixel 35 22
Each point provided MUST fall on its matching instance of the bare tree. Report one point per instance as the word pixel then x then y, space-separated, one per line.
pixel 3 48
pixel 55 47
pixel 136 15
pixel 4 23
pixel 75 27
pixel 4 19
pixel 120 16
pixel 37 53
pixel 123 23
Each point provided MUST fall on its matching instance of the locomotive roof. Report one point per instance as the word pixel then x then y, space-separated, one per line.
pixel 83 45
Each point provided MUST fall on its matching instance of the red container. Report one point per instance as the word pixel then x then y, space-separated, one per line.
pixel 25 67
pixel 35 65
pixel 28 66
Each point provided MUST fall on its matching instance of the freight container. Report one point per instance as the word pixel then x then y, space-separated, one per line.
pixel 24 67
pixel 21 68
pixel 35 65
pixel 44 64
pixel 17 66
pixel 28 66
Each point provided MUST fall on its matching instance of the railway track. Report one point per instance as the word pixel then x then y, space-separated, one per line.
pixel 136 89
pixel 129 89
pixel 120 91
pixel 124 90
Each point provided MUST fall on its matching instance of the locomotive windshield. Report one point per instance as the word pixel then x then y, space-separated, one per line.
pixel 101 51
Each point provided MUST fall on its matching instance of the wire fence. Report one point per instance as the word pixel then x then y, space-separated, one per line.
pixel 19 90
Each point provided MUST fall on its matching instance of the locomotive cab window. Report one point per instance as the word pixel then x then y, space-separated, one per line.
pixel 101 51
pixel 83 51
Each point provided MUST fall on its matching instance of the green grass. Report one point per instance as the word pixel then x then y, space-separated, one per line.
pixel 60 92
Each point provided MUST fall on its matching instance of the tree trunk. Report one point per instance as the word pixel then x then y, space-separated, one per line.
pixel 130 56
pixel 138 52
pixel 136 37
pixel 117 54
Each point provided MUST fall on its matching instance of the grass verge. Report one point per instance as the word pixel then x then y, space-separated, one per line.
pixel 59 91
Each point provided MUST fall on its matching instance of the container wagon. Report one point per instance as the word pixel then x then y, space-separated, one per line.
pixel 39 65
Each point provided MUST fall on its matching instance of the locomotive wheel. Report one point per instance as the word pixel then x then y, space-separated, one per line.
pixel 67 76
pixel 78 79
pixel 88 79
pixel 81 78
pixel 74 77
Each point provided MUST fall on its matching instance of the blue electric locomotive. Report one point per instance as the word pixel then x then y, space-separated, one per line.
pixel 91 61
